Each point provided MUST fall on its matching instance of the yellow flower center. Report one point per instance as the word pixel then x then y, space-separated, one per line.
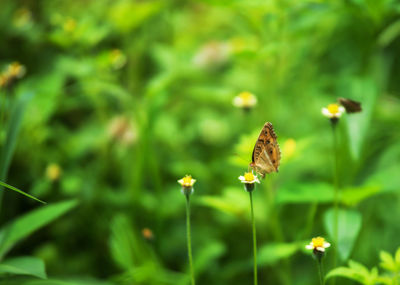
pixel 246 96
pixel 318 242
pixel 333 108
pixel 187 181
pixel 248 176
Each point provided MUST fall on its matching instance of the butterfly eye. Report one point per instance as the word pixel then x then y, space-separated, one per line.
pixel 270 152
pixel 267 141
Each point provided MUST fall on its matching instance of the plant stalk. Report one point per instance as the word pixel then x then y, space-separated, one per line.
pixel 254 239
pixel 336 196
pixel 320 272
pixel 189 238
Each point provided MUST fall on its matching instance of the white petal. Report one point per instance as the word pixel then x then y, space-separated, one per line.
pixel 237 101
pixel 256 179
pixel 309 246
pixel 241 178
pixel 326 113
pixel 341 109
pixel 327 244
pixel 180 181
pixel 321 249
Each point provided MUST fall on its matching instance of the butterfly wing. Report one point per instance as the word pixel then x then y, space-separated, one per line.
pixel 351 106
pixel 266 153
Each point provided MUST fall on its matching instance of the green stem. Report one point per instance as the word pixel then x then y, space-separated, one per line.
pixel 320 272
pixel 254 238
pixel 336 196
pixel 189 238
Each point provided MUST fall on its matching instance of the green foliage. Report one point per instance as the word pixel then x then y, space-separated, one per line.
pixel 122 98
pixel 16 230
pixel 25 265
pixel 20 191
pixel 358 272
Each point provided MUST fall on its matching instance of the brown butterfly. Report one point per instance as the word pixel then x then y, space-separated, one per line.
pixel 351 106
pixel 266 153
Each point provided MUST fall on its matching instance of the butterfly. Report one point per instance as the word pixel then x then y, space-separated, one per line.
pixel 351 106
pixel 266 153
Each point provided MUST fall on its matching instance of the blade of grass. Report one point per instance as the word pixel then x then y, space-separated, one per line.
pixel 20 192
pixel 13 128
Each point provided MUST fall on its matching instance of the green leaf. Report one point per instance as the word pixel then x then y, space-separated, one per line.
pixel 346 273
pixel 349 225
pixel 207 256
pixel 24 265
pixel 387 261
pixel 14 125
pixel 271 253
pixel 365 91
pixel 357 272
pixel 20 192
pixel 305 193
pixel 389 34
pixel 397 257
pixel 354 195
pixel 23 226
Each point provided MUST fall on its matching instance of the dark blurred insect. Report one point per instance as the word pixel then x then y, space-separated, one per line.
pixel 351 106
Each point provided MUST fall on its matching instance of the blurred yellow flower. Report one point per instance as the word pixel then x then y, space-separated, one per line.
pixel 53 171
pixel 289 148
pixel 333 111
pixel 69 25
pixel 12 72
pixel 245 100
pixel 187 181
pixel 318 244
pixel 16 70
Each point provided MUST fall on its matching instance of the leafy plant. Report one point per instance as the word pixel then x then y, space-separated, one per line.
pixel 361 274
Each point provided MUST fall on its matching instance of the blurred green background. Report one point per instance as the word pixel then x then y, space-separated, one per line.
pixel 122 98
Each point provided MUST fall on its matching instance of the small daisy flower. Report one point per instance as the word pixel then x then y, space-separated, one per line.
pixel 187 183
pixel 245 100
pixel 318 246
pixel 333 111
pixel 249 180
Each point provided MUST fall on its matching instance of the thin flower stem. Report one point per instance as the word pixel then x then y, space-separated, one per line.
pixel 254 239
pixel 336 196
pixel 320 273
pixel 189 238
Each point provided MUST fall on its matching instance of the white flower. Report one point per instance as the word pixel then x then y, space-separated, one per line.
pixel 245 100
pixel 319 244
pixel 333 111
pixel 249 178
